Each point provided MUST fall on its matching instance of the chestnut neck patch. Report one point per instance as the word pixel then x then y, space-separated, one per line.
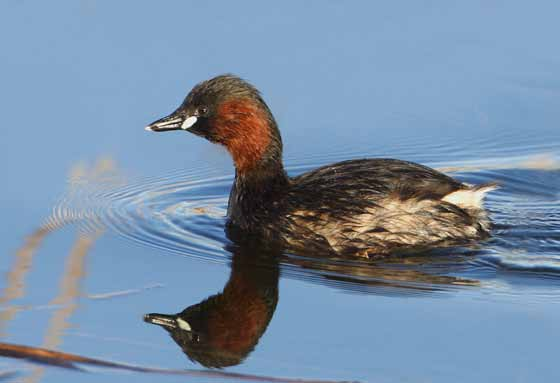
pixel 243 127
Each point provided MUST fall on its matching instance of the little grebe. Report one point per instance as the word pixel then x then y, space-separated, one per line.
pixel 364 207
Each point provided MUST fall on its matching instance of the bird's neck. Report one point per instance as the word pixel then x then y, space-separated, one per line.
pixel 248 130
pixel 257 194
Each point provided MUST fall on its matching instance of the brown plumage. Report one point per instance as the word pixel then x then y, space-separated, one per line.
pixel 365 207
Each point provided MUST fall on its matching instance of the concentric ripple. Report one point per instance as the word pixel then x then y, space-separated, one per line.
pixel 180 212
pixel 184 212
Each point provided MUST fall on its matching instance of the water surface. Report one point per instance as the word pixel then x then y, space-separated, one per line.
pixel 104 223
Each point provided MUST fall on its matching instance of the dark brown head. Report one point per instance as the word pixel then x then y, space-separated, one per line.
pixel 229 111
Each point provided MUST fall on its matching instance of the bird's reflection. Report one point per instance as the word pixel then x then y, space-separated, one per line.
pixel 422 273
pixel 223 329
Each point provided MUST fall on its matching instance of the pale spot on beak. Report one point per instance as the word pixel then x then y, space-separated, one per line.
pixel 189 121
pixel 183 324
pixel 148 128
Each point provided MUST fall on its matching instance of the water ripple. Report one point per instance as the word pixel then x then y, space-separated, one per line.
pixel 184 212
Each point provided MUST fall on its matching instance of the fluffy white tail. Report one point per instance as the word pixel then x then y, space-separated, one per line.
pixel 470 198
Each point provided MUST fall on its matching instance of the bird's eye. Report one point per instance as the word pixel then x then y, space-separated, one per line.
pixel 202 111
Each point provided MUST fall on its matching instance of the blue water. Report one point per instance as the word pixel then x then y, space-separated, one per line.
pixel 103 222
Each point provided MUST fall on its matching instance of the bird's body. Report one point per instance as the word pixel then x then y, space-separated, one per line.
pixel 365 207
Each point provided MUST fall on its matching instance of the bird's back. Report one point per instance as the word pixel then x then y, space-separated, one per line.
pixel 374 206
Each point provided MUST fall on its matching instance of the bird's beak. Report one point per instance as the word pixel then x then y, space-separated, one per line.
pixel 172 122
pixel 166 321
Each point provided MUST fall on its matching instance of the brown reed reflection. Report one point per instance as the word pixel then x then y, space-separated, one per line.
pixel 67 299
pixel 15 279
pixel 70 291
pixel 71 278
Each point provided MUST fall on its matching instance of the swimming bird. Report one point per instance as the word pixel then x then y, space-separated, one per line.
pixel 362 207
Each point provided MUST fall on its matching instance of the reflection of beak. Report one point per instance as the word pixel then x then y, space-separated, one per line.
pixel 163 320
pixel 172 122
